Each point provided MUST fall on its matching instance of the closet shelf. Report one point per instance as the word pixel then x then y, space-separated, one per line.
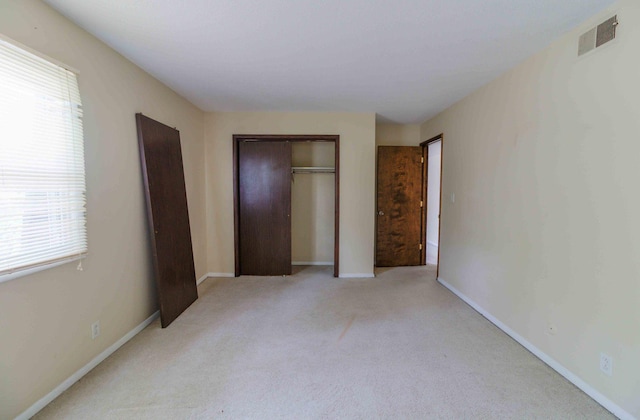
pixel 313 170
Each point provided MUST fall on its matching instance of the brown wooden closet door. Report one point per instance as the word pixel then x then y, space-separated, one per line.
pixel 399 192
pixel 168 217
pixel 264 171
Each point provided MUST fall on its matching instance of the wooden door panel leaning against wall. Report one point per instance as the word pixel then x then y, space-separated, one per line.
pixel 168 217
pixel 399 211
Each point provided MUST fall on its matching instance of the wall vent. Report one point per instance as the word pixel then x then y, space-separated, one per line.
pixel 598 36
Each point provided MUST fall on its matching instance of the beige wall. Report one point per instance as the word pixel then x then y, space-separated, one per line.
pixel 544 230
pixel 357 160
pixel 312 205
pixel 45 318
pixel 397 134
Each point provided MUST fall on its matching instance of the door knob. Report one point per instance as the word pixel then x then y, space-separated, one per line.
pixel 380 213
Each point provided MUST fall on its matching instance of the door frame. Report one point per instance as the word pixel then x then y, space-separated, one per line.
pixel 303 138
pixel 425 174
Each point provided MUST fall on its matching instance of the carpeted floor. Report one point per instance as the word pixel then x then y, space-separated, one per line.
pixel 311 346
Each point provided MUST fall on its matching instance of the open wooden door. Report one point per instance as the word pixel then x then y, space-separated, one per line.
pixel 399 206
pixel 264 204
pixel 168 217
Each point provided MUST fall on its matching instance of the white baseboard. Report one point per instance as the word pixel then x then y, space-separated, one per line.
pixel 570 376
pixel 66 384
pixel 356 275
pixel 201 279
pixel 311 263
pixel 206 276
pixel 221 275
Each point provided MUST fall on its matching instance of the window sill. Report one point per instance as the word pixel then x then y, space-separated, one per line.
pixel 44 266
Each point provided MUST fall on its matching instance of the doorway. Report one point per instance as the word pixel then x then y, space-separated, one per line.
pixel 432 188
pixel 263 173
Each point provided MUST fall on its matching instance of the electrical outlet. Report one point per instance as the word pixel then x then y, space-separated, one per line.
pixel 95 330
pixel 606 364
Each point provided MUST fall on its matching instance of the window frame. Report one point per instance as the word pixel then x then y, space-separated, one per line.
pixel 55 262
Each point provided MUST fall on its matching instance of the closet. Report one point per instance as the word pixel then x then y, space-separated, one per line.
pixel 286 203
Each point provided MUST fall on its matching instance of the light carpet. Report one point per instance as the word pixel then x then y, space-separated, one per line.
pixel 312 346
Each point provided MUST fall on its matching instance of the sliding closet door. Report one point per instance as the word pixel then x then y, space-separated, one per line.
pixel 264 201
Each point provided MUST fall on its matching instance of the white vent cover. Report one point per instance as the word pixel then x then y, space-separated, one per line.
pixel 598 36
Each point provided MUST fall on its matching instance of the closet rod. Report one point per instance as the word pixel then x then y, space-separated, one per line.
pixel 313 170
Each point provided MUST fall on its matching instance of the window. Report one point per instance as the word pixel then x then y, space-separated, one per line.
pixel 42 181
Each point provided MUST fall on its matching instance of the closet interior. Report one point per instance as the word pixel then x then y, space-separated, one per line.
pixel 312 203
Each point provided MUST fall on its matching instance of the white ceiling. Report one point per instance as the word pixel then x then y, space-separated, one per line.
pixel 406 60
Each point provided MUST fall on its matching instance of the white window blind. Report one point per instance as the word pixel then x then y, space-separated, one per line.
pixel 42 179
